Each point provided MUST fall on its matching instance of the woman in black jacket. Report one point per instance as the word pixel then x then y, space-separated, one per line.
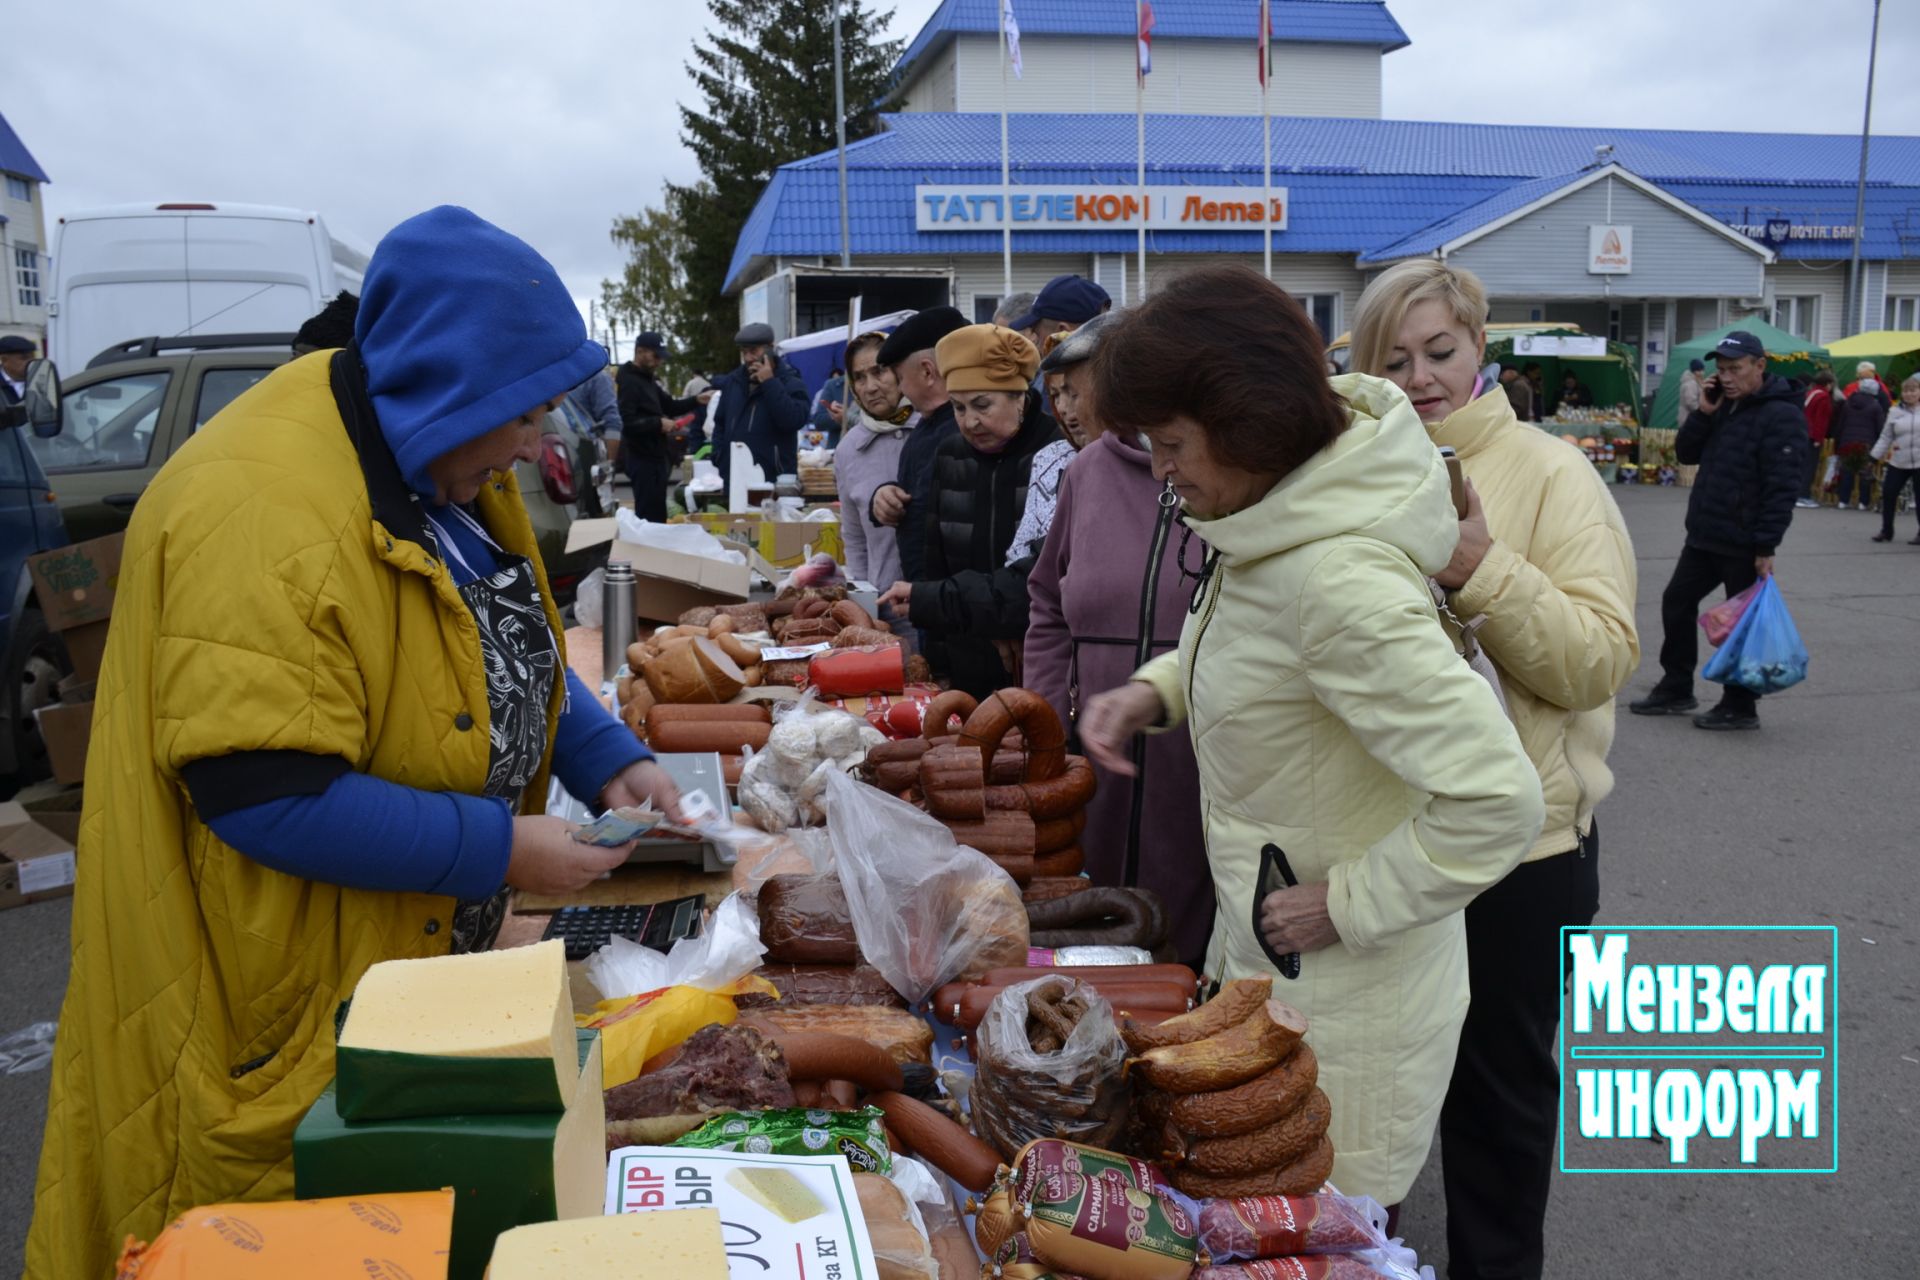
pixel 972 604
pixel 1857 422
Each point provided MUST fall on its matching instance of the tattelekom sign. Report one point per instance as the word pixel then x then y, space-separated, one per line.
pixel 1035 208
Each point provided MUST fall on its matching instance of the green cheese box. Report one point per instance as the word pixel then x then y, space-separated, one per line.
pixel 506 1169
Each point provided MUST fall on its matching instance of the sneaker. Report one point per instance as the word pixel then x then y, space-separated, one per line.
pixel 1805 502
pixel 1662 702
pixel 1861 507
pixel 1723 719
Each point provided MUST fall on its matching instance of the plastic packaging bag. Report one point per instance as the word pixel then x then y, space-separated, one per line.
pixel 1022 1091
pixel 687 539
pixel 27 1049
pixel 1765 653
pixel 590 598
pixel 1285 1226
pixel 1719 621
pixel 729 948
pixel 925 909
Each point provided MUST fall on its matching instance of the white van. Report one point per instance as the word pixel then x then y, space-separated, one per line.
pixel 187 269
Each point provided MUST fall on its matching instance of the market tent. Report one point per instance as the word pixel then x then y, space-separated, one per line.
pixel 1788 355
pixel 1895 355
pixel 1612 379
pixel 816 355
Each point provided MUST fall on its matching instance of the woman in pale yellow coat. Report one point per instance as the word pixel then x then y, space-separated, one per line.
pixel 1545 562
pixel 1330 714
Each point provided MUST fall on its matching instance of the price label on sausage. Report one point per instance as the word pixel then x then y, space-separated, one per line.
pixel 781 1217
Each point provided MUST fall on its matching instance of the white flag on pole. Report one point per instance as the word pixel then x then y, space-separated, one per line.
pixel 1013 37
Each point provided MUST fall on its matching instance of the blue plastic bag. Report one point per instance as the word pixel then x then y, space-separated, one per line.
pixel 1765 653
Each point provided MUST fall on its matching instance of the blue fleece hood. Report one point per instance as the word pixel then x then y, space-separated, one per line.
pixel 463 328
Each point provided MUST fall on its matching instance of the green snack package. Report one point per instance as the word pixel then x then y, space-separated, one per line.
pixel 799 1131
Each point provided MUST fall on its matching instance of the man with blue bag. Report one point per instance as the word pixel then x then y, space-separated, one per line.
pixel 1749 439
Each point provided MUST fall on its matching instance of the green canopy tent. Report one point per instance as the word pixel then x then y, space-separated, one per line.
pixel 1612 379
pixel 1895 356
pixel 1787 355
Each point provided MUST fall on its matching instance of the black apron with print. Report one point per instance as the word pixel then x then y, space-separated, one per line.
pixel 522 662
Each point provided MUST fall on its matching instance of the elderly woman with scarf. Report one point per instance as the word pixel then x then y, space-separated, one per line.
pixel 331 700
pixel 971 601
pixel 876 430
pixel 1107 596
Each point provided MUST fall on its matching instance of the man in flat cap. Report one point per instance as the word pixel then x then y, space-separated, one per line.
pixel 16 354
pixel 762 405
pixel 903 505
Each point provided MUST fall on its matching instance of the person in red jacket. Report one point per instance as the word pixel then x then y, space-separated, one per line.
pixel 1818 406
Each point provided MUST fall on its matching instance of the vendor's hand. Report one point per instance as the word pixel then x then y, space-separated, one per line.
pixel 1111 720
pixel 1296 919
pixel 837 411
pixel 1472 548
pixel 1012 657
pixel 546 859
pixel 898 596
pixel 641 782
pixel 1763 565
pixel 889 504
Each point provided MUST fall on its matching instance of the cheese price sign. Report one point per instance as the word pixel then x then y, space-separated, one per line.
pixel 1025 208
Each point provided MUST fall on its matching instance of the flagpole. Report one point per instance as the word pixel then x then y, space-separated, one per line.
pixel 1140 142
pixel 1266 134
pixel 1006 188
pixel 840 134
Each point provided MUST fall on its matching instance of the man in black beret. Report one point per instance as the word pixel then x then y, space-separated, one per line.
pixel 649 419
pixel 903 505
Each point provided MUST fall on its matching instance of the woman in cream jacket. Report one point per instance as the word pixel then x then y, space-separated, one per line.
pixel 1544 561
pixel 1330 714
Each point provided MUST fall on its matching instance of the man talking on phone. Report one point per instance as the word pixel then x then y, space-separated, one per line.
pixel 762 405
pixel 1749 439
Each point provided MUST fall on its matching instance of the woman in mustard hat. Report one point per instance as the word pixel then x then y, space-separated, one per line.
pixel 972 604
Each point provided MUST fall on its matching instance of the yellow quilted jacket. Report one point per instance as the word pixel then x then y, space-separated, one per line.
pixel 264 604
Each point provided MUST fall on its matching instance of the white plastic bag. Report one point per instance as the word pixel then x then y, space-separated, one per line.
pixel 27 1049
pixel 590 599
pixel 925 910
pixel 706 477
pixel 687 539
pixel 729 949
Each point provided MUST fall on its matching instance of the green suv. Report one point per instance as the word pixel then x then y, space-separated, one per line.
pixel 137 403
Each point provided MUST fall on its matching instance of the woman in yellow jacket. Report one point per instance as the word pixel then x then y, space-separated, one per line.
pixel 1544 561
pixel 1332 718
pixel 331 698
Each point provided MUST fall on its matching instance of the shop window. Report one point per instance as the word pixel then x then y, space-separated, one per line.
pixel 1799 316
pixel 19 189
pixel 26 274
pixel 1903 313
pixel 984 305
pixel 1324 308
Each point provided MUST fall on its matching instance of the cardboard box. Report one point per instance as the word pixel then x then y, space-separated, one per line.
pixel 785 542
pixel 35 863
pixel 86 645
pixel 670 582
pixel 66 728
pixel 75 584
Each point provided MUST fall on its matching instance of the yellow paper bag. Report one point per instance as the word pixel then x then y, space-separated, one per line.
pixel 636 1028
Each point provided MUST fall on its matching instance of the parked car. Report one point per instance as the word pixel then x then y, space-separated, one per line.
pixel 138 402
pixel 33 659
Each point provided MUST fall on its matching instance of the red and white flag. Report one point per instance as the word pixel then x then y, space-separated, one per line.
pixel 1143 15
pixel 1261 42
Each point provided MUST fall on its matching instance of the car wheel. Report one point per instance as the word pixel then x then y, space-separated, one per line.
pixel 34 668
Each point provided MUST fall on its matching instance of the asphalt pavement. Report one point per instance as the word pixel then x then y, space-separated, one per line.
pixel 1810 820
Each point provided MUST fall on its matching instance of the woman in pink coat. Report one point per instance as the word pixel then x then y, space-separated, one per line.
pixel 1108 574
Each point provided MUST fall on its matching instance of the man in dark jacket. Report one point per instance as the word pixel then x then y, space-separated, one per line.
pixel 763 403
pixel 1749 439
pixel 908 351
pixel 647 416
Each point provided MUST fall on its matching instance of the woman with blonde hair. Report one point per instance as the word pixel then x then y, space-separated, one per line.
pixel 1543 573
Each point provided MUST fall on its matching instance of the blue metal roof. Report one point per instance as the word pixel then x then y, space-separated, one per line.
pixel 1313 21
pixel 14 156
pixel 1431 237
pixel 1358 186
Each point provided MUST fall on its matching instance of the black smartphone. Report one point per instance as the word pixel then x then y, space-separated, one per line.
pixel 1276 873
pixel 1456 480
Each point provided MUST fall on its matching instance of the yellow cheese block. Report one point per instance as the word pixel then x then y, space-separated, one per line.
pixel 682 1243
pixel 778 1192
pixel 513 1003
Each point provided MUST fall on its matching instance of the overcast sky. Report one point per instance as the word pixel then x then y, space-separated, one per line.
pixel 550 120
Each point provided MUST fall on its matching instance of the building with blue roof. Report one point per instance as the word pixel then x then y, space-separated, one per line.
pixel 23 241
pixel 1646 236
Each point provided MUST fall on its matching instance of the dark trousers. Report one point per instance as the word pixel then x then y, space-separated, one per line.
pixel 1502 1114
pixel 1695 575
pixel 649 479
pixel 1890 487
pixel 1849 483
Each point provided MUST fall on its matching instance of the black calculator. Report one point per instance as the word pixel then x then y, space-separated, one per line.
pixel 658 925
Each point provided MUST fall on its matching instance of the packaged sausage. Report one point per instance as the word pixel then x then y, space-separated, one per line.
pixel 1278 1226
pixel 1102 1224
pixel 1371 1265
pixel 806 920
pixel 1049 1063
pixel 401 1233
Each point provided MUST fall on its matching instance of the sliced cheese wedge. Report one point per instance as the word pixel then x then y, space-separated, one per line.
pixel 778 1192
pixel 486 1032
pixel 683 1243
